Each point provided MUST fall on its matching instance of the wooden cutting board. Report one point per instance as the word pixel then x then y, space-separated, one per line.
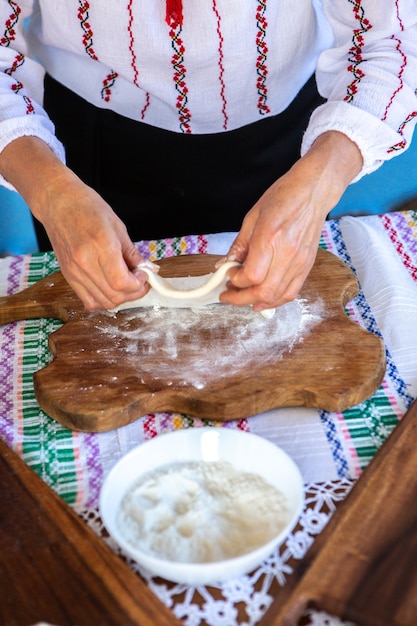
pixel 221 362
pixel 54 568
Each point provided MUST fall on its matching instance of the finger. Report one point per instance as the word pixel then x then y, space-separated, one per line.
pixel 104 284
pixel 101 297
pixel 91 297
pixel 239 249
pixel 261 256
pixel 261 298
pixel 120 287
pixel 281 284
pixel 131 254
pixel 253 249
pixel 117 280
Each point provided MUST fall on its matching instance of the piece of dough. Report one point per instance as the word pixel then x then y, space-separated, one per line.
pixel 200 294
pixel 184 292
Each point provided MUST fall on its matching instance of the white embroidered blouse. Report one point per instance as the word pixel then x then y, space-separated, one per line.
pixel 208 66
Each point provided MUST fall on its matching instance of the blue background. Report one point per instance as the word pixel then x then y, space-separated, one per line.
pixel 384 190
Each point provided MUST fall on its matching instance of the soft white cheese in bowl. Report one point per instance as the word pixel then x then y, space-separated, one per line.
pixel 201 505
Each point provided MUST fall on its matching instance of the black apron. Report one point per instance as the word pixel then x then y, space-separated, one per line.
pixel 166 184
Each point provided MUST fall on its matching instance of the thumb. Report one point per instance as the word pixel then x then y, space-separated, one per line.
pixel 131 254
pixel 239 249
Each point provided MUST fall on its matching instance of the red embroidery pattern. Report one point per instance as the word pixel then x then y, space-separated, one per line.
pixel 397 6
pixel 177 61
pixel 221 66
pixel 17 86
pixel 133 62
pixel 108 83
pixel 400 77
pixel 261 67
pixel 29 106
pixel 399 246
pixel 10 32
pixel 18 62
pixel 402 144
pixel 131 44
pixel 173 12
pixel 202 244
pixel 243 424
pixel 86 27
pixel 403 65
pixel 149 426
pixel 147 103
pixel 356 51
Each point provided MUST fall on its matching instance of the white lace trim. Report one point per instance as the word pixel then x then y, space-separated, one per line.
pixel 243 601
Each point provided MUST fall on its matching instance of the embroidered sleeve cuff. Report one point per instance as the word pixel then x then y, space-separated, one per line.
pixel 375 139
pixel 27 126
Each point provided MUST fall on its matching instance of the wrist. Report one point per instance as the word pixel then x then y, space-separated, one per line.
pixel 337 160
pixel 35 171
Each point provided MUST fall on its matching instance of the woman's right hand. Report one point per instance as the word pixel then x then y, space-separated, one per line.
pixel 93 248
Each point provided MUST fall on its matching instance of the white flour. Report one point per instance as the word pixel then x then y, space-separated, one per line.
pixel 196 346
pixel 200 512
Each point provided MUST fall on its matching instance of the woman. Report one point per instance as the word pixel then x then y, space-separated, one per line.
pixel 180 116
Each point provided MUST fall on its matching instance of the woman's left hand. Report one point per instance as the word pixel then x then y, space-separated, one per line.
pixel 279 238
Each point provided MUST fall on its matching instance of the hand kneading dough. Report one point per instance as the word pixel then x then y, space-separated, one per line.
pixel 184 292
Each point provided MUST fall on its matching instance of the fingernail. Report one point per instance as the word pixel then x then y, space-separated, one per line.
pixel 230 258
pixel 220 262
pixel 148 265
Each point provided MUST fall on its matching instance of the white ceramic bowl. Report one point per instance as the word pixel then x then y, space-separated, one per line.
pixel 244 451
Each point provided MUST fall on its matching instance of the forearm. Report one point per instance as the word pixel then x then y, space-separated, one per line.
pixel 279 237
pixel 368 78
pixel 35 171
pixel 91 244
pixel 333 161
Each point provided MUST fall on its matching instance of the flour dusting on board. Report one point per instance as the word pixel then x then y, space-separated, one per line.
pixel 196 346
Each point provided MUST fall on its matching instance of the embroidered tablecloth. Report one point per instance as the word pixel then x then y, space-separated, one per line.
pixel 331 449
